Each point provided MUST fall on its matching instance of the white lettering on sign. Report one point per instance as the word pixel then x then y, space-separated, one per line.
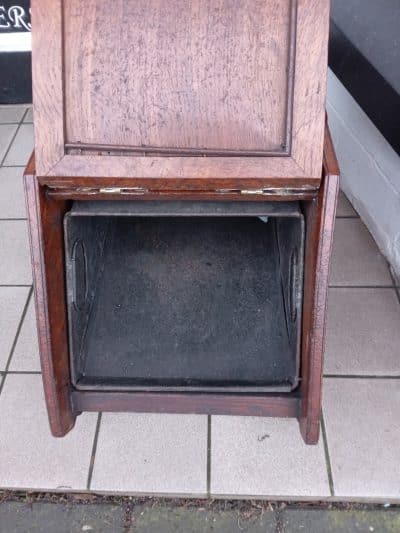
pixel 15 17
pixel 4 23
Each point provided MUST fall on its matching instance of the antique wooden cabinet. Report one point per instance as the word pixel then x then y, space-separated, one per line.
pixel 181 203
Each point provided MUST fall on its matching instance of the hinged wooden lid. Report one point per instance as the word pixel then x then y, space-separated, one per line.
pixel 227 92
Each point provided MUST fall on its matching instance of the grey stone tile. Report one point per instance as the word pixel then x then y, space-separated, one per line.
pixel 363 433
pixel 151 453
pixel 29 456
pixel 22 147
pixel 12 303
pixel 29 116
pixel 340 521
pixel 26 353
pixel 160 519
pixel 356 259
pixel 12 201
pixel 15 267
pixel 7 132
pixel 21 517
pixel 363 332
pixel 344 207
pixel 265 457
pixel 11 113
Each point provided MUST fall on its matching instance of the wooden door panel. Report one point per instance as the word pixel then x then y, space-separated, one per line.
pixel 230 89
pixel 197 74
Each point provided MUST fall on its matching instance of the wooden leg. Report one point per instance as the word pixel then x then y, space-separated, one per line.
pixel 320 219
pixel 45 217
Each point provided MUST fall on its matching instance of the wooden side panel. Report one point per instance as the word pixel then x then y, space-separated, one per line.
pixel 320 218
pixel 47 79
pixel 310 85
pixel 46 239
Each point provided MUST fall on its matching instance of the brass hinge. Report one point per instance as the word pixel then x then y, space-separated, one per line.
pixel 252 191
pixel 268 191
pixel 123 190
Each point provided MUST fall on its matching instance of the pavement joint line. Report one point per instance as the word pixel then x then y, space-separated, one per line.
pixel 362 287
pixel 24 115
pixel 18 124
pixel 12 219
pixel 397 289
pixel 208 466
pixel 25 310
pixel 2 379
pixel 13 166
pixel 327 455
pixel 361 376
pixel 347 216
pixel 94 450
pixel 11 143
pixel 395 286
pixel 279 524
pixel 15 286
pixel 23 372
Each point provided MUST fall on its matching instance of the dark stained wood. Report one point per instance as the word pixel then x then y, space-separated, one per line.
pixel 194 180
pixel 45 219
pixel 330 162
pixel 47 249
pixel 182 75
pixel 229 100
pixel 81 193
pixel 320 218
pixel 213 404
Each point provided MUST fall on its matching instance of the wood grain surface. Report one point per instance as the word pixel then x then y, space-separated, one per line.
pixel 242 75
pixel 64 403
pixel 45 221
pixel 320 220
pixel 182 73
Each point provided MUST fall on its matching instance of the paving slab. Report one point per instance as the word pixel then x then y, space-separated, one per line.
pixel 12 201
pixel 20 517
pixel 254 456
pixel 363 434
pixel 12 303
pixel 26 352
pixel 344 207
pixel 151 454
pixel 29 115
pixel 7 132
pixel 30 457
pixel 340 521
pixel 356 259
pixel 192 520
pixel 15 265
pixel 363 333
pixel 22 147
pixel 11 114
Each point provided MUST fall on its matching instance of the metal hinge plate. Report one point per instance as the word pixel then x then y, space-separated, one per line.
pixel 268 191
pixel 123 190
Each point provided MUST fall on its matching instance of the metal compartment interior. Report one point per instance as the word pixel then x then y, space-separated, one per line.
pixel 202 296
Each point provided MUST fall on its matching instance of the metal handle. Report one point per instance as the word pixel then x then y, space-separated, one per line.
pixel 293 277
pixel 79 275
